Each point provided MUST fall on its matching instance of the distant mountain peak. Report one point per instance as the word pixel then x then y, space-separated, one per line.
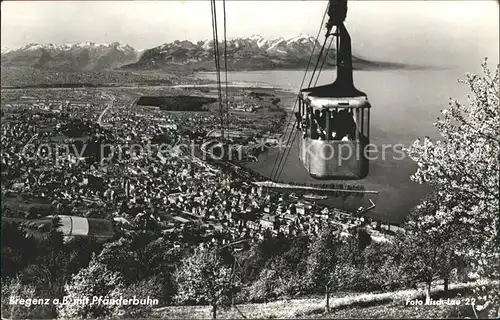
pixel 256 37
pixel 300 37
pixel 253 52
pixel 71 56
pixel 68 46
pixel 244 53
pixel 6 49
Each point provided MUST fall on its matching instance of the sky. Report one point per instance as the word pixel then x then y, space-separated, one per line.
pixel 421 32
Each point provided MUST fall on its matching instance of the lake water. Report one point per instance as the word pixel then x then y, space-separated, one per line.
pixel 405 103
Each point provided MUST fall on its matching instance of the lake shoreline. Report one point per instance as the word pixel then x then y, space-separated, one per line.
pixel 405 105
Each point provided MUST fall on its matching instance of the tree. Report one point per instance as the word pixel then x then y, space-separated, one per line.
pixel 14 288
pixel 50 270
pixel 427 248
pixel 464 168
pixel 94 281
pixel 120 256
pixel 423 223
pixel 17 249
pixel 381 266
pixel 79 252
pixel 151 287
pixel 464 165
pixel 336 262
pixel 321 262
pixel 160 258
pixel 347 273
pixel 127 256
pixel 204 278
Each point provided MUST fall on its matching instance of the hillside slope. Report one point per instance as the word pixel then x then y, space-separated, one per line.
pixel 354 306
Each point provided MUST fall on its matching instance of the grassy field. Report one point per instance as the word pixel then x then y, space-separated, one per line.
pixel 366 305
pixel 397 311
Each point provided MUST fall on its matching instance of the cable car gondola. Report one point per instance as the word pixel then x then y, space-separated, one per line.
pixel 335 119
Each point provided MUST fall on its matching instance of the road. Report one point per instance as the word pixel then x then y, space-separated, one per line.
pixel 110 96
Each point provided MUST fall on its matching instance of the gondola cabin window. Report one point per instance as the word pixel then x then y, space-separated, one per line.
pixel 335 132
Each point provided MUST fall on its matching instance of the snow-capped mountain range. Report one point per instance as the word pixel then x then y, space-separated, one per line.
pixel 251 53
pixel 70 57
